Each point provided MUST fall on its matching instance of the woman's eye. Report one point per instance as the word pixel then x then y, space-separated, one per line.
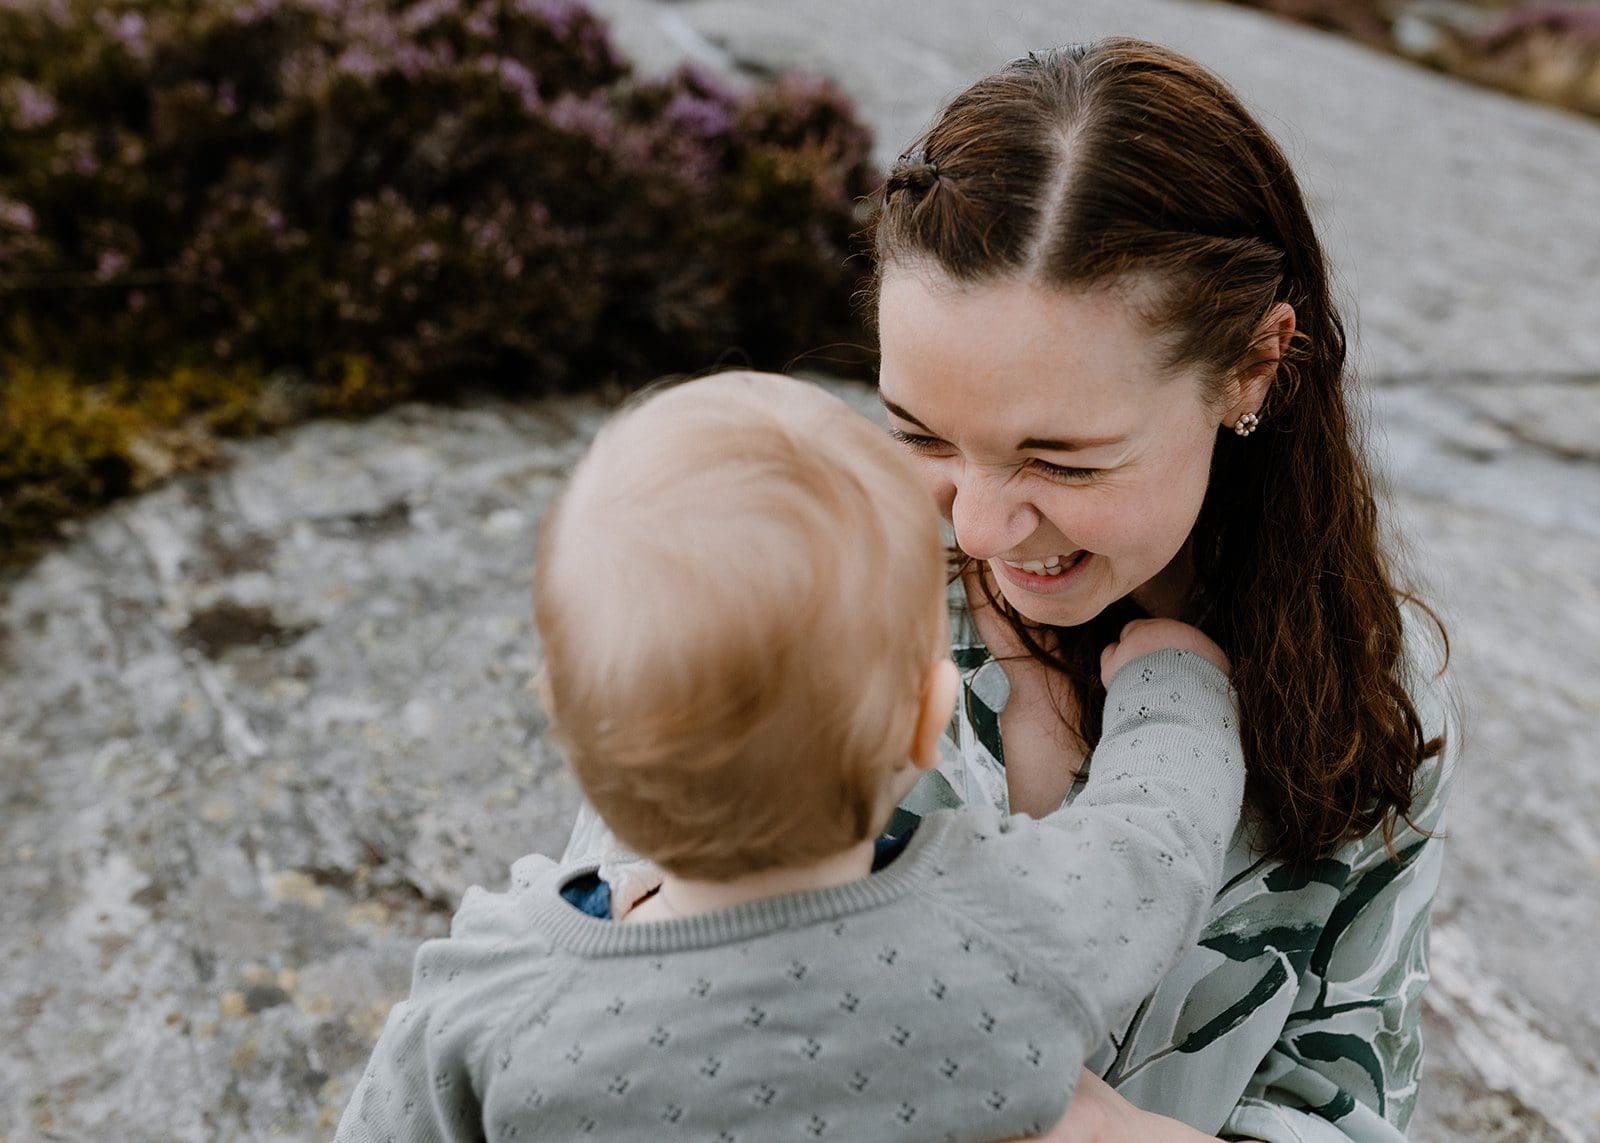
pixel 1063 473
pixel 916 443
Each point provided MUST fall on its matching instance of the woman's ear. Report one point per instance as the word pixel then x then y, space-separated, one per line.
pixel 938 704
pixel 1271 343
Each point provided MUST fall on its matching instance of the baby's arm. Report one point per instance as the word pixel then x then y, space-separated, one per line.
pixel 422 1083
pixel 407 1093
pixel 1142 636
pixel 1130 867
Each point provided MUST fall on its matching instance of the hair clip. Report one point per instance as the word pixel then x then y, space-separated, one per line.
pixel 913 170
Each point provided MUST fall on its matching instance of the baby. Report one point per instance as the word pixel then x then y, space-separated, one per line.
pixel 741 601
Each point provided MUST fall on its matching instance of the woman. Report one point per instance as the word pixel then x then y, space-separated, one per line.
pixel 1107 335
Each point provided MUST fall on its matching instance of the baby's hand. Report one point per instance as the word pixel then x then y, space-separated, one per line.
pixel 1143 636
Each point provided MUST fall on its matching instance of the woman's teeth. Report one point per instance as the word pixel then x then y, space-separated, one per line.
pixel 1051 566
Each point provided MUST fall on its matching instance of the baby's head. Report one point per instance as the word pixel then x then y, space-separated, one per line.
pixel 740 596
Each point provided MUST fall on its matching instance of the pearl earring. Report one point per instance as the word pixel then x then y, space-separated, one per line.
pixel 1247 425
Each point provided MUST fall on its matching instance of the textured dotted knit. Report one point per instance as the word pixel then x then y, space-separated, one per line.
pixel 952 995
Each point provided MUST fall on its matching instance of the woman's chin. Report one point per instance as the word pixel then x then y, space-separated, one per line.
pixel 1058 615
pixel 1067 609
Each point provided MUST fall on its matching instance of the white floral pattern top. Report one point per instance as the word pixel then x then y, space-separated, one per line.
pixel 1297 1017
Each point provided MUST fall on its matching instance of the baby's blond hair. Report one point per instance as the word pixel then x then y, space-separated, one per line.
pixel 740 596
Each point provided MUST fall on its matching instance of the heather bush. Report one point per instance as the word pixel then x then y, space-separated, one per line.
pixel 381 199
pixel 1548 50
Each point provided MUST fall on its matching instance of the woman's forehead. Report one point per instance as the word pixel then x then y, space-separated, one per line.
pixel 1017 356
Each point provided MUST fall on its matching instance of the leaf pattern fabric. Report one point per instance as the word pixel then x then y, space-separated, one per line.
pixel 1297 1016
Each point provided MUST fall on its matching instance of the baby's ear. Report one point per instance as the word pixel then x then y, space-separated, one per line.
pixel 939 692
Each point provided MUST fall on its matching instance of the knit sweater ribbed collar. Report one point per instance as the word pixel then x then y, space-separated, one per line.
pixel 574 931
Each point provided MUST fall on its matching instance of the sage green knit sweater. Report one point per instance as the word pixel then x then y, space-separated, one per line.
pixel 953 995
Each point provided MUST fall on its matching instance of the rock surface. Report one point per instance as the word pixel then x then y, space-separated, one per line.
pixel 260 729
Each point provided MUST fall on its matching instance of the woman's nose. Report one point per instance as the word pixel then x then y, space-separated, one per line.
pixel 989 518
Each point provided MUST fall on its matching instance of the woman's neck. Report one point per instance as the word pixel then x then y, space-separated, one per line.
pixel 1163 595
pixel 688 897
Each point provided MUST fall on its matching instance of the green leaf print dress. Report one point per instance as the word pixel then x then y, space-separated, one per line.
pixel 1298 1015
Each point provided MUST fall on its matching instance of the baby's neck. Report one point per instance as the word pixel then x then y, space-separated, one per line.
pixel 687 897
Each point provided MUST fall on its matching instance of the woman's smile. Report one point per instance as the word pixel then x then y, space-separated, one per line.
pixel 1062 449
pixel 1049 576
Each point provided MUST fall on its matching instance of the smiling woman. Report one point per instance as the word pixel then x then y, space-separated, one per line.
pixel 1088 458
pixel 1108 340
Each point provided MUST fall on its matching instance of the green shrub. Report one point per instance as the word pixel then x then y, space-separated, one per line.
pixel 384 199
pixel 63 448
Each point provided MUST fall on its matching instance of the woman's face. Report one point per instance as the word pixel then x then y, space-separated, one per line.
pixel 1056 445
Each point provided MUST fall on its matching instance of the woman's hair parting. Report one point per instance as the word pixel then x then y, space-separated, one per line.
pixel 739 596
pixel 1122 162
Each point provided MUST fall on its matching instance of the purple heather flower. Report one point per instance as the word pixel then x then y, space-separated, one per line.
pixel 74 155
pixel 110 265
pixel 414 60
pixel 707 118
pixel 255 11
pixel 589 116
pixel 426 14
pixel 373 40
pixel 577 28
pixel 17 216
pixel 558 15
pixel 358 60
pixel 480 24
pixel 129 32
pixel 486 234
pixel 31 107
pixel 520 80
pixel 329 8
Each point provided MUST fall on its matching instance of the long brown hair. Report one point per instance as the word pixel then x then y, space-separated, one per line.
pixel 1083 165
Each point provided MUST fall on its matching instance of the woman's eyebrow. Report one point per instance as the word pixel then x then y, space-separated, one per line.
pixel 1042 444
pixel 897 411
pixel 1047 445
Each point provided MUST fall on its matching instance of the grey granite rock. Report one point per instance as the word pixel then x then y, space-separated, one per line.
pixel 1502 531
pixel 259 729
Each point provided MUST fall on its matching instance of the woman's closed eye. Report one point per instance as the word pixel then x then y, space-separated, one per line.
pixel 933 446
pixel 916 443
pixel 1063 473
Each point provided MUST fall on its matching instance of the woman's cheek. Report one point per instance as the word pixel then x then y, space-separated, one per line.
pixel 1174 494
pixel 1109 525
pixel 1143 528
